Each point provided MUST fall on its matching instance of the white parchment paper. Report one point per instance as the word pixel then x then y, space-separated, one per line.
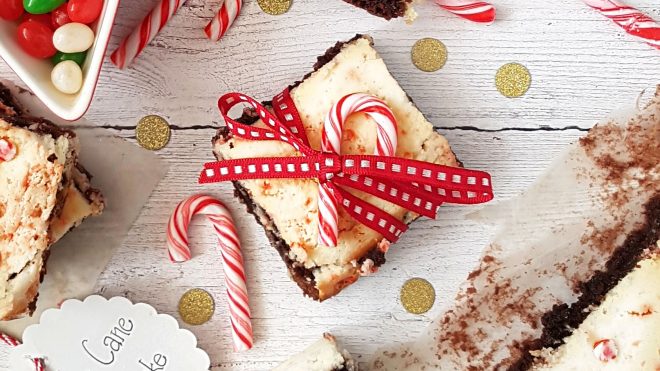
pixel 549 239
pixel 126 175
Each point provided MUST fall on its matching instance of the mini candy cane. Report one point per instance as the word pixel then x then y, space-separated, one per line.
pixel 134 43
pixel 10 341
pixel 605 350
pixel 7 150
pixel 630 19
pixel 331 142
pixel 223 19
pixel 177 245
pixel 475 11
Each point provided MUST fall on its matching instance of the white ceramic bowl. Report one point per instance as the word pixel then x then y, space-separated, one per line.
pixel 35 73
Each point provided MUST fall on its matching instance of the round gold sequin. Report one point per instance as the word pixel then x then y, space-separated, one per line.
pixel 152 132
pixel 196 307
pixel 429 54
pixel 513 80
pixel 274 7
pixel 417 295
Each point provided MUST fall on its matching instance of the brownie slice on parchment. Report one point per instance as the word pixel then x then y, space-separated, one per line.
pixel 387 9
pixel 287 208
pixel 44 193
pixel 324 355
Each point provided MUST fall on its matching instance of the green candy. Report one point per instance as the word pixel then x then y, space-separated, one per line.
pixel 79 58
pixel 41 6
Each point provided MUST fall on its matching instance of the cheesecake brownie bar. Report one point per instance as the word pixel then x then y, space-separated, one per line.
pixel 44 192
pixel 324 355
pixel 387 9
pixel 287 208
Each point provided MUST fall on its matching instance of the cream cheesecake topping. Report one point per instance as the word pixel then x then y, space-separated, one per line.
pixel 623 333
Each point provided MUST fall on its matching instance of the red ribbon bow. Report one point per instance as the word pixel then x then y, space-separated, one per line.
pixel 418 186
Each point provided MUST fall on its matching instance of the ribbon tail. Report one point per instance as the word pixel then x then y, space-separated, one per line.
pixel 371 216
pixel 459 185
pixel 409 197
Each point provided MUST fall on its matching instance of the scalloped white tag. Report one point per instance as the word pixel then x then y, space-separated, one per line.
pixel 115 334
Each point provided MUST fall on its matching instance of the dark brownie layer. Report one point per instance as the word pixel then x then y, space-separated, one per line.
pixel 387 9
pixel 8 105
pixel 562 319
pixel 38 125
pixel 301 275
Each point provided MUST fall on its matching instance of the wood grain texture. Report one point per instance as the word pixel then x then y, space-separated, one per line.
pixel 582 67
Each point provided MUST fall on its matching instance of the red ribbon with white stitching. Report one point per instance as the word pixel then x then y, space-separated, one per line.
pixel 10 341
pixel 418 186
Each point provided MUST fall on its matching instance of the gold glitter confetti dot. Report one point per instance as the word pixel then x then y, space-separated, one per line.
pixel 513 80
pixel 152 132
pixel 196 307
pixel 417 295
pixel 274 7
pixel 429 55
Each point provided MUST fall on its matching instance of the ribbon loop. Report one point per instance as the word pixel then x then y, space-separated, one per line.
pixel 420 187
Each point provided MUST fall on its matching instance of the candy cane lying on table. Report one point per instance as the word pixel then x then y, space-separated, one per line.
pixel 10 341
pixel 331 142
pixel 475 11
pixel 630 19
pixel 134 43
pixel 219 25
pixel 230 247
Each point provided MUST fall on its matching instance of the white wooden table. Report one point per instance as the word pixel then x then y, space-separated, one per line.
pixel 582 66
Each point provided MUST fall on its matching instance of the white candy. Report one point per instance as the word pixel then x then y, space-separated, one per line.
pixel 73 38
pixel 67 77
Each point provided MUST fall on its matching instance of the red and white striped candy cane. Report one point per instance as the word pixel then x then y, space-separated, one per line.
pixel 219 25
pixel 475 11
pixel 230 247
pixel 331 142
pixel 10 341
pixel 630 19
pixel 7 150
pixel 134 43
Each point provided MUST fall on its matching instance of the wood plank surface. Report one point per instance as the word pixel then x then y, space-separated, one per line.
pixel 582 67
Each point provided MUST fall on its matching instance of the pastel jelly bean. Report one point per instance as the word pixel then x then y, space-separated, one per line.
pixel 73 38
pixel 41 18
pixel 41 6
pixel 67 77
pixel 11 10
pixel 84 11
pixel 60 16
pixel 79 58
pixel 36 39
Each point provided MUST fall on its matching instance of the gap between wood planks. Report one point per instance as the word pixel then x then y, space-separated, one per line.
pixel 465 128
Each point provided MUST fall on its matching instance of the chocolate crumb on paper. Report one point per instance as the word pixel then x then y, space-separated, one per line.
pixel 561 247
